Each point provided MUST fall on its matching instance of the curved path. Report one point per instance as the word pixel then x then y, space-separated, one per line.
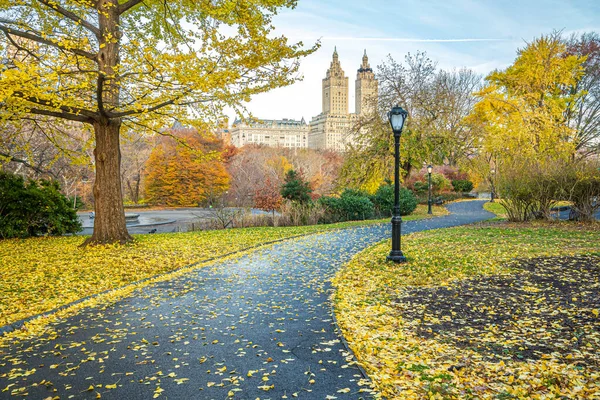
pixel 256 327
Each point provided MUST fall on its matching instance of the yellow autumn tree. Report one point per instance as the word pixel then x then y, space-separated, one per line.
pixel 521 111
pixel 118 65
pixel 521 117
pixel 185 169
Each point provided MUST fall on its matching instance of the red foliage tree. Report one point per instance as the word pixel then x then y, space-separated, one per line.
pixel 268 197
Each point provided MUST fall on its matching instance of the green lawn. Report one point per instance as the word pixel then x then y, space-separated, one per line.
pixel 382 308
pixel 496 208
pixel 41 274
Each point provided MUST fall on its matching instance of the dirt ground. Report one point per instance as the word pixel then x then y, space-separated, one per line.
pixel 548 306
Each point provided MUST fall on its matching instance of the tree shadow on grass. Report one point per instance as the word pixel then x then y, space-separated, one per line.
pixel 547 309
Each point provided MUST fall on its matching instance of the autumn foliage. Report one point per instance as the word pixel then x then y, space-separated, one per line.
pixel 185 169
pixel 268 197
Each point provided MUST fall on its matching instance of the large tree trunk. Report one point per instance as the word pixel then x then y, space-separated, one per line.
pixel 109 223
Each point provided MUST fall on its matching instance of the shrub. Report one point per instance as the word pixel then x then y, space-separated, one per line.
pixel 333 207
pixel 584 190
pixel 384 200
pixel 586 197
pixel 439 183
pixel 421 187
pixel 33 209
pixel 296 214
pixel 351 205
pixel 408 201
pixel 356 205
pixel 530 187
pixel 462 185
pixel 452 173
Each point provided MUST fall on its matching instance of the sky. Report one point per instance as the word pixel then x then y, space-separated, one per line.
pixel 479 34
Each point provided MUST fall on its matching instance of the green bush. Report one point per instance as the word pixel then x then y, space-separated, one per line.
pixel 34 209
pixel 408 201
pixel 421 187
pixel 439 183
pixel 383 200
pixel 333 207
pixel 352 205
pixel 356 205
pixel 462 186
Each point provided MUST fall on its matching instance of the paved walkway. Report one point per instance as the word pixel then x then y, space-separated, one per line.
pixel 256 327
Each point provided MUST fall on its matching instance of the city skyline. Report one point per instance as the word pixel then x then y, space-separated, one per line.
pixel 482 35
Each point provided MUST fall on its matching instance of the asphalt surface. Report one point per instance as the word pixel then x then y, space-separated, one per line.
pixel 163 221
pixel 256 327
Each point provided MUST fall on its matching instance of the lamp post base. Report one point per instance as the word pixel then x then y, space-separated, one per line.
pixel 396 256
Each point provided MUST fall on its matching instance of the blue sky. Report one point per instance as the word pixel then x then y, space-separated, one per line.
pixel 482 35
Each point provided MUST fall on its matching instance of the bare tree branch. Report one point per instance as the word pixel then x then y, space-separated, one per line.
pixel 25 163
pixel 10 31
pixel 126 6
pixel 67 109
pixel 72 16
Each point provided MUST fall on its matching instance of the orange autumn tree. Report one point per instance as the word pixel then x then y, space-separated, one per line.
pixel 186 169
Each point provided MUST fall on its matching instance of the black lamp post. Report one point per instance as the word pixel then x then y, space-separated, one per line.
pixel 397 116
pixel 429 170
pixel 492 173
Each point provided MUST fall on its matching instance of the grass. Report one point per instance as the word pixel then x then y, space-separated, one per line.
pixel 497 209
pixel 402 355
pixel 41 274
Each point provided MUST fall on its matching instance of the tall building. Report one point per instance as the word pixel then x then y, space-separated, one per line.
pixel 332 128
pixel 366 87
pixel 270 132
pixel 335 89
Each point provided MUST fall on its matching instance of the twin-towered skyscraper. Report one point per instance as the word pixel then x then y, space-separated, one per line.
pixel 335 87
pixel 332 128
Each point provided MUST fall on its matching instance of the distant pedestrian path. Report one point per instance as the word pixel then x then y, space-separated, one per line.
pixel 161 220
pixel 255 327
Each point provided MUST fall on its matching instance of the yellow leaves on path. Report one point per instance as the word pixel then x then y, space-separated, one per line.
pixel 41 274
pixel 439 326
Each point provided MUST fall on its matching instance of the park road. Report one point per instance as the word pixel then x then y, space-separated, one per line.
pixel 258 326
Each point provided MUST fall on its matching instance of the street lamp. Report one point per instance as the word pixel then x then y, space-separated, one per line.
pixel 429 170
pixel 492 173
pixel 397 116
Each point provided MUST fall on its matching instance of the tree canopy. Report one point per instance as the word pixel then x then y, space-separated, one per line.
pixel 120 65
pixel 522 111
pixel 437 102
pixel 185 174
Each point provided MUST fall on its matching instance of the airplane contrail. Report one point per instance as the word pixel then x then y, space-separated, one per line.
pixel 384 39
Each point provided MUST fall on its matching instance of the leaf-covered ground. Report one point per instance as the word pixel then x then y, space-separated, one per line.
pixel 258 325
pixel 493 311
pixel 41 274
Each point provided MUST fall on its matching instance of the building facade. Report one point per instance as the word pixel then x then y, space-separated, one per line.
pixel 366 88
pixel 332 129
pixel 270 132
